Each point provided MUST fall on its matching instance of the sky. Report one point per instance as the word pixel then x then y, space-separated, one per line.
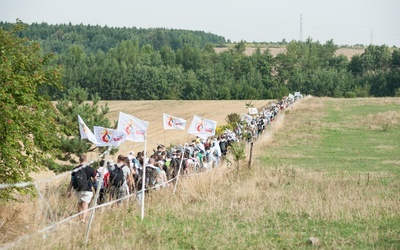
pixel 346 22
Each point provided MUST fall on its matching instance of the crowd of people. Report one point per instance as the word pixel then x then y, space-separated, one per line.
pixel 120 179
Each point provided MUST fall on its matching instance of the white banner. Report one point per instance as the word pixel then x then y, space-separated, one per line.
pixel 253 111
pixel 134 128
pixel 202 127
pixel 247 118
pixel 109 137
pixel 85 132
pixel 267 114
pixel 172 122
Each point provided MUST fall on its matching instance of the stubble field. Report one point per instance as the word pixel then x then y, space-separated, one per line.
pixel 152 112
pixel 325 175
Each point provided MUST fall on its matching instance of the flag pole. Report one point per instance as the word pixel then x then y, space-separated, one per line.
pixel 179 171
pixel 144 174
pixel 99 183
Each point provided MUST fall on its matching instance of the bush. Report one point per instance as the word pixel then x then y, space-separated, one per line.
pixel 350 94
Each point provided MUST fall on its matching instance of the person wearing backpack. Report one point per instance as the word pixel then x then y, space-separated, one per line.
pixel 120 180
pixel 223 145
pixel 102 175
pixel 82 178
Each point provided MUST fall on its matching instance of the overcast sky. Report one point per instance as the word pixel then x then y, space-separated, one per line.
pixel 345 21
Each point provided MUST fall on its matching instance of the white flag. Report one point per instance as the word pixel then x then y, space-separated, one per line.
pixel 253 111
pixel 267 113
pixel 109 137
pixel 85 132
pixel 172 122
pixel 202 127
pixel 134 128
pixel 247 118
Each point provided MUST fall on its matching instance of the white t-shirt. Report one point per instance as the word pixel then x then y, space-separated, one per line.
pixel 101 172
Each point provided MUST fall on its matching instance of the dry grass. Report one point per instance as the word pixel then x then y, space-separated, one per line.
pixel 267 208
pixel 383 121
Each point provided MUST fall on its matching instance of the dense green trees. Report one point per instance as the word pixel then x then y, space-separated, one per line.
pixel 135 64
pixel 377 70
pixel 33 131
pixel 28 120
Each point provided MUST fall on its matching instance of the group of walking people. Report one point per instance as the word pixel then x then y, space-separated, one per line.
pixel 118 180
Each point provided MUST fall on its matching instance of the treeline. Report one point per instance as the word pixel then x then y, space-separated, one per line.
pixel 93 38
pixel 152 64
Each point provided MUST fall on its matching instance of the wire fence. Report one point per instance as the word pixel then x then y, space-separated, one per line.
pixel 55 224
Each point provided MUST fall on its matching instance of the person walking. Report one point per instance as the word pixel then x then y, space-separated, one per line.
pixel 120 180
pixel 82 178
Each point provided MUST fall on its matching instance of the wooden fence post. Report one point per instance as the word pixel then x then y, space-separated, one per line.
pixel 251 153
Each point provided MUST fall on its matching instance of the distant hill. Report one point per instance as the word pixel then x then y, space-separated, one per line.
pixel 58 37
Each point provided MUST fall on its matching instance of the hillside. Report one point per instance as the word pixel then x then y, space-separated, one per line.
pixel 326 174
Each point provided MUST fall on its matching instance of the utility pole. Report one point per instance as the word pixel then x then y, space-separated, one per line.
pixel 301 28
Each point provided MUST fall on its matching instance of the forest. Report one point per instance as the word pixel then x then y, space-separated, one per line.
pixel 160 64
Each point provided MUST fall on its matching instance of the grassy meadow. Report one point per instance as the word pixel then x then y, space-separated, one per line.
pixel 326 171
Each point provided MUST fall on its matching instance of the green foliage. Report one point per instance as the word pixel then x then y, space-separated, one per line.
pixel 233 119
pixel 75 102
pixel 238 151
pixel 350 94
pixel 249 105
pixel 159 64
pixel 28 124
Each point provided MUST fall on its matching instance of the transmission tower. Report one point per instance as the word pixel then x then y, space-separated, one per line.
pixel 301 28
pixel 372 36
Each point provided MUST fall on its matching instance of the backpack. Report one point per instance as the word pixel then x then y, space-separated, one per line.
pixel 151 174
pixel 79 179
pixel 117 176
pixel 223 145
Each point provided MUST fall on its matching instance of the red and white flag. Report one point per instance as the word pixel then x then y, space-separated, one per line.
pixel 202 127
pixel 172 122
pixel 85 132
pixel 134 127
pixel 109 137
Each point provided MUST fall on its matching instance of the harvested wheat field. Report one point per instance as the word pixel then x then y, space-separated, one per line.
pixel 152 112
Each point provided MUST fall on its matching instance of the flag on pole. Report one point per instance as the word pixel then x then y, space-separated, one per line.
pixel 247 118
pixel 202 127
pixel 172 122
pixel 253 111
pixel 109 137
pixel 85 132
pixel 134 128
